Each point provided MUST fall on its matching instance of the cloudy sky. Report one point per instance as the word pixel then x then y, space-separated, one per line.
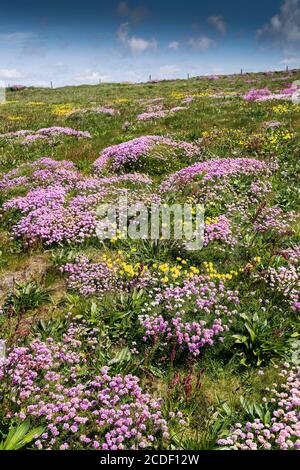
pixel 70 42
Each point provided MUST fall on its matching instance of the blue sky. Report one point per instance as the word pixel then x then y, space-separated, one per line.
pixel 71 42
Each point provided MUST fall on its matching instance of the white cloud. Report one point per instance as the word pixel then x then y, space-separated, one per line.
pixel 135 14
pixel 169 69
pixel 284 27
pixel 90 76
pixel 290 61
pixel 134 43
pixel 137 45
pixel 10 73
pixel 173 45
pixel 203 42
pixel 218 22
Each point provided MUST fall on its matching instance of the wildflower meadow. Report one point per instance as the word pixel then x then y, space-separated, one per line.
pixel 132 341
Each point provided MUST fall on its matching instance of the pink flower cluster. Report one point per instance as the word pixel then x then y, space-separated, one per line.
pixel 97 278
pixel 264 94
pixel 103 110
pixel 286 280
pixel 176 109
pixel 219 230
pixel 90 278
pixel 52 196
pixel 57 225
pixel 97 109
pixel 96 183
pixel 45 133
pixel 148 116
pixel 191 335
pixel 157 112
pixel 43 381
pixel 61 206
pixel 215 168
pixel 175 312
pixel 283 430
pixel 130 152
pixel 42 172
pixel 275 220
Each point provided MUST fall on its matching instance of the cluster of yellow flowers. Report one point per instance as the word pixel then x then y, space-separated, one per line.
pixel 180 270
pixel 286 108
pixel 62 109
pixel 241 138
pixel 121 100
pixel 202 94
pixel 35 103
pixel 234 136
pixel 280 109
pixel 213 273
pixel 15 118
pixel 279 136
pixel 180 95
pixel 211 220
pixel 124 268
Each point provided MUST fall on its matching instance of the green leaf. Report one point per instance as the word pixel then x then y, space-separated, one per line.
pixel 20 436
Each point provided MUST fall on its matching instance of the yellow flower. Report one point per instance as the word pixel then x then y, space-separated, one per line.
pixel 62 109
pixel 194 270
pixel 15 118
pixel 35 103
pixel 164 267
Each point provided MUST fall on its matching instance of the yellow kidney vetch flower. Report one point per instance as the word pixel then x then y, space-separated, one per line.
pixel 213 273
pixel 211 220
pixel 164 267
pixel 280 109
pixel 121 100
pixel 62 109
pixel 15 118
pixel 35 103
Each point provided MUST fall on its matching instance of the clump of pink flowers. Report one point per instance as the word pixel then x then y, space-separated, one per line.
pixel 214 169
pixel 43 381
pixel 286 279
pixel 43 172
pixel 189 317
pixel 218 230
pixel 130 152
pixel 99 277
pixel 96 109
pixel 264 94
pixel 150 115
pixel 60 206
pixel 274 219
pixel 45 133
pixel 283 430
